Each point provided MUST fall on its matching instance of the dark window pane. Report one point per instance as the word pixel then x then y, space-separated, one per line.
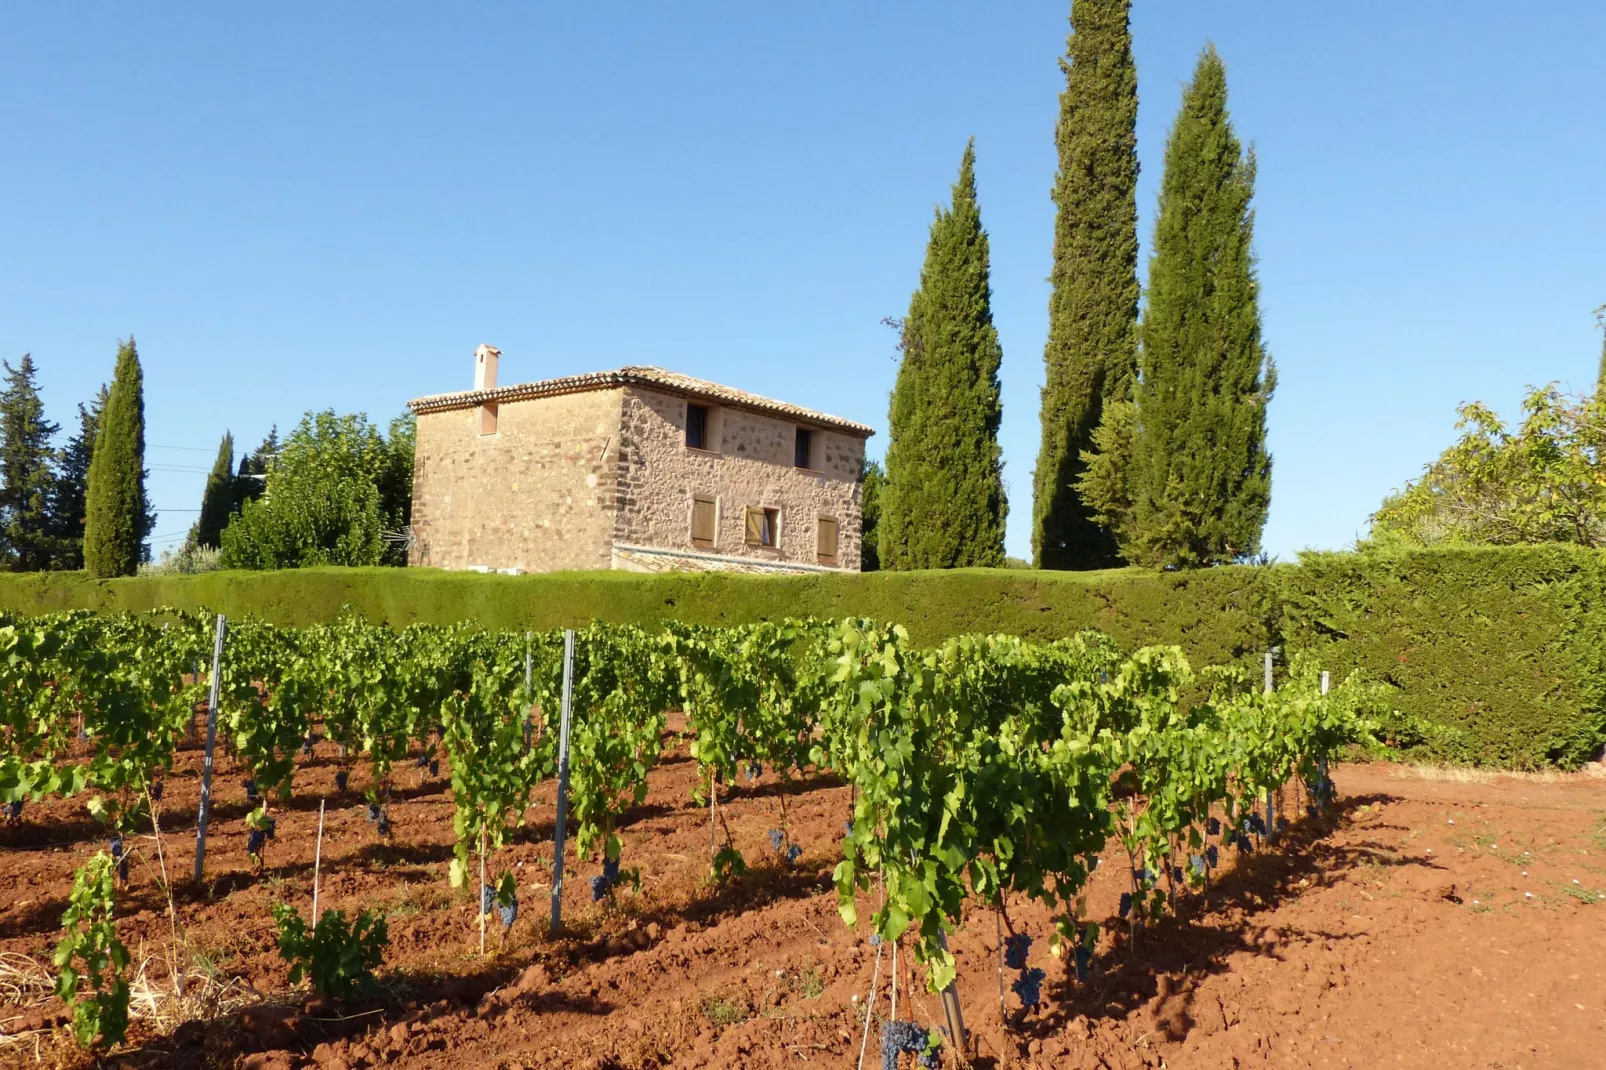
pixel 697 426
pixel 805 440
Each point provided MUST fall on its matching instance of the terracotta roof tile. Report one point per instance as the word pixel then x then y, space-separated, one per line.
pixel 638 375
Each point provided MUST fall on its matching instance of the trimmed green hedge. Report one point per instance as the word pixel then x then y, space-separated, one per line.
pixel 1216 616
pixel 1505 644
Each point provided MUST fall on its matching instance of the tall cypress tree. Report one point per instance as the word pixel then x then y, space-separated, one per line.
pixel 116 512
pixel 1091 355
pixel 1199 479
pixel 26 476
pixel 72 485
pixel 218 499
pixel 943 502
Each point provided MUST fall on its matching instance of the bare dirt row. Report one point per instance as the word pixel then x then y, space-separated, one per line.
pixel 1427 922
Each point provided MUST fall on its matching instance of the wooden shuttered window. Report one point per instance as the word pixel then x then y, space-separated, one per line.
pixel 704 517
pixel 761 526
pixel 826 550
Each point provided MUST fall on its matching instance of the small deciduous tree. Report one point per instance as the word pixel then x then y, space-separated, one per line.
pixel 331 491
pixel 1544 481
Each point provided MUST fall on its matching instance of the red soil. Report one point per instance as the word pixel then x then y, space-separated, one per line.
pixel 1429 923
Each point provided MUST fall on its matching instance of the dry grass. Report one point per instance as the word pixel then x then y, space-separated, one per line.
pixel 1462 774
pixel 153 994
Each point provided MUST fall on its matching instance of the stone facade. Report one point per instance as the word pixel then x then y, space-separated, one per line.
pixel 595 472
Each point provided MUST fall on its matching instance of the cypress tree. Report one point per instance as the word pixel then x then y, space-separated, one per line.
pixel 1199 482
pixel 72 484
pixel 116 511
pixel 871 480
pixel 943 502
pixel 26 476
pixel 218 501
pixel 1091 355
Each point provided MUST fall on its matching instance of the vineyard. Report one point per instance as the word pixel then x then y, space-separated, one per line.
pixel 985 772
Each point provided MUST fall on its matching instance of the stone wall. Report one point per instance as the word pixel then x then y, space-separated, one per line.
pixel 751 466
pixel 538 495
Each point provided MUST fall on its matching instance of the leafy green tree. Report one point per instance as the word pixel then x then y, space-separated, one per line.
pixel 117 516
pixel 1545 481
pixel 72 485
pixel 871 482
pixel 26 475
pixel 943 503
pixel 331 492
pixel 218 500
pixel 1091 356
pixel 1190 483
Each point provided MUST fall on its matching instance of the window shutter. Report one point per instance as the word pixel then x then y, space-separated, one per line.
pixel 827 546
pixel 755 527
pixel 702 522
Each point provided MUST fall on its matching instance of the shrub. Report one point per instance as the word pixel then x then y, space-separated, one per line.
pixel 339 959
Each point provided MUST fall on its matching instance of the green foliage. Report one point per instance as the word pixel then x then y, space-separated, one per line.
pixel 334 487
pixel 493 772
pixel 873 479
pixel 27 540
pixel 1184 478
pixel 1091 355
pixel 67 497
pixel 1540 483
pixel 218 499
pixel 1506 646
pixel 338 958
pixel 1215 615
pixel 92 961
pixel 943 505
pixel 117 517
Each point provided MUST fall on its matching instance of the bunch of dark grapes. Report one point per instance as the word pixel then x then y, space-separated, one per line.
pixel 1083 958
pixel 1197 862
pixel 14 811
pixel 383 823
pixel 1213 827
pixel 754 771
pixel 1016 948
pixel 1212 856
pixel 1256 825
pixel 250 787
pixel 1126 903
pixel 777 837
pixel 487 897
pixel 120 858
pixel 603 884
pixel 156 791
pixel 793 853
pixel 340 779
pixel 423 760
pixel 508 912
pixel 373 811
pixel 899 1037
pixel 1026 986
pixel 434 767
pixel 254 842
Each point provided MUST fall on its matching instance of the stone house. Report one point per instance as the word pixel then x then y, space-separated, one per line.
pixel 638 469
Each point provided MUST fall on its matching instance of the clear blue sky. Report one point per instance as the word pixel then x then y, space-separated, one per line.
pixel 331 205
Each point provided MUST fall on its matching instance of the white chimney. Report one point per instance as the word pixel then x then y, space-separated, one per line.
pixel 485 358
